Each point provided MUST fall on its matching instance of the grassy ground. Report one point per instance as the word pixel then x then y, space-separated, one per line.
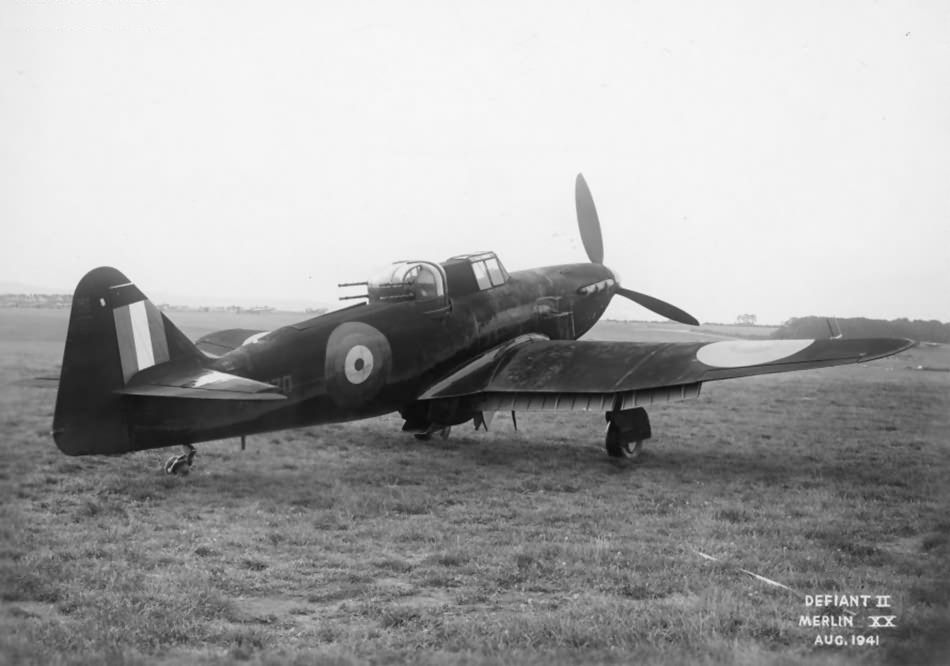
pixel 352 543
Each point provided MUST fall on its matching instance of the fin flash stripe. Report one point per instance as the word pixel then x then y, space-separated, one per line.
pixel 141 338
pixel 140 333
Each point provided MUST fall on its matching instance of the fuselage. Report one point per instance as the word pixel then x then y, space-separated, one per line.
pixel 374 358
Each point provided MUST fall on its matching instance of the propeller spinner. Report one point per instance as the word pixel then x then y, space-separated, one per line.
pixel 589 225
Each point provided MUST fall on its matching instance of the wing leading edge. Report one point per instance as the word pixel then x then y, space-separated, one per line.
pixel 572 370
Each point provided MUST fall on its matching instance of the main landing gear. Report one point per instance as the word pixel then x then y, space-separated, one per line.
pixel 427 435
pixel 181 464
pixel 626 427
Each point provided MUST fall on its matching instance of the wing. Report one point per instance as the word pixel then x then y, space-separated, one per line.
pixel 200 383
pixel 221 342
pixel 533 373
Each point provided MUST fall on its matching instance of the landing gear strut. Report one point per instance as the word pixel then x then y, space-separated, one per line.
pixel 181 464
pixel 626 427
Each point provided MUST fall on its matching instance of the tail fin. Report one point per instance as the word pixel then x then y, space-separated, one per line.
pixel 114 332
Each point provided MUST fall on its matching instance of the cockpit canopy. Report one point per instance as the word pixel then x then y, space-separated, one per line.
pixel 408 281
pixel 468 273
pixel 425 281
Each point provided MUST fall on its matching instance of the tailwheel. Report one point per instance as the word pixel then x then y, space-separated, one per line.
pixel 181 464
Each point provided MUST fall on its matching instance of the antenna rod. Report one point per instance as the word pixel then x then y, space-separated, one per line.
pixel 835 331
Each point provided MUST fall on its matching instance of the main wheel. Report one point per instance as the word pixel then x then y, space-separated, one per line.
pixel 615 449
pixel 426 436
pixel 635 452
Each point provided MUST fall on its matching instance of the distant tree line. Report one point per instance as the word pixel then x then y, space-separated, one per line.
pixel 66 301
pixel 860 327
pixel 35 300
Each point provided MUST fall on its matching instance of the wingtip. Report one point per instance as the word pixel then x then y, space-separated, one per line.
pixel 908 343
pixel 891 346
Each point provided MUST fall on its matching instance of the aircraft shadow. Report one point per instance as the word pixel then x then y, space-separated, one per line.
pixel 440 462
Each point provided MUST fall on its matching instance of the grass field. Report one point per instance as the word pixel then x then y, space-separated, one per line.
pixel 353 543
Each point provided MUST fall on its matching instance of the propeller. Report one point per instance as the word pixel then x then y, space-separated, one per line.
pixel 662 308
pixel 588 221
pixel 589 225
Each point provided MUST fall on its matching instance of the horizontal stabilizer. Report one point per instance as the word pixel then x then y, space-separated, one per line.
pixel 201 384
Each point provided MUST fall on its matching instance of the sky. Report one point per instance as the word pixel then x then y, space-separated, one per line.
pixel 781 159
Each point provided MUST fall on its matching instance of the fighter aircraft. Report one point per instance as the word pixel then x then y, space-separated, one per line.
pixel 442 343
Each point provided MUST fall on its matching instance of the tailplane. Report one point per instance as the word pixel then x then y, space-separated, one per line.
pixel 114 333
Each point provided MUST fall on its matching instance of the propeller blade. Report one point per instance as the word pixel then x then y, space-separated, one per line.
pixel 662 308
pixel 587 221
